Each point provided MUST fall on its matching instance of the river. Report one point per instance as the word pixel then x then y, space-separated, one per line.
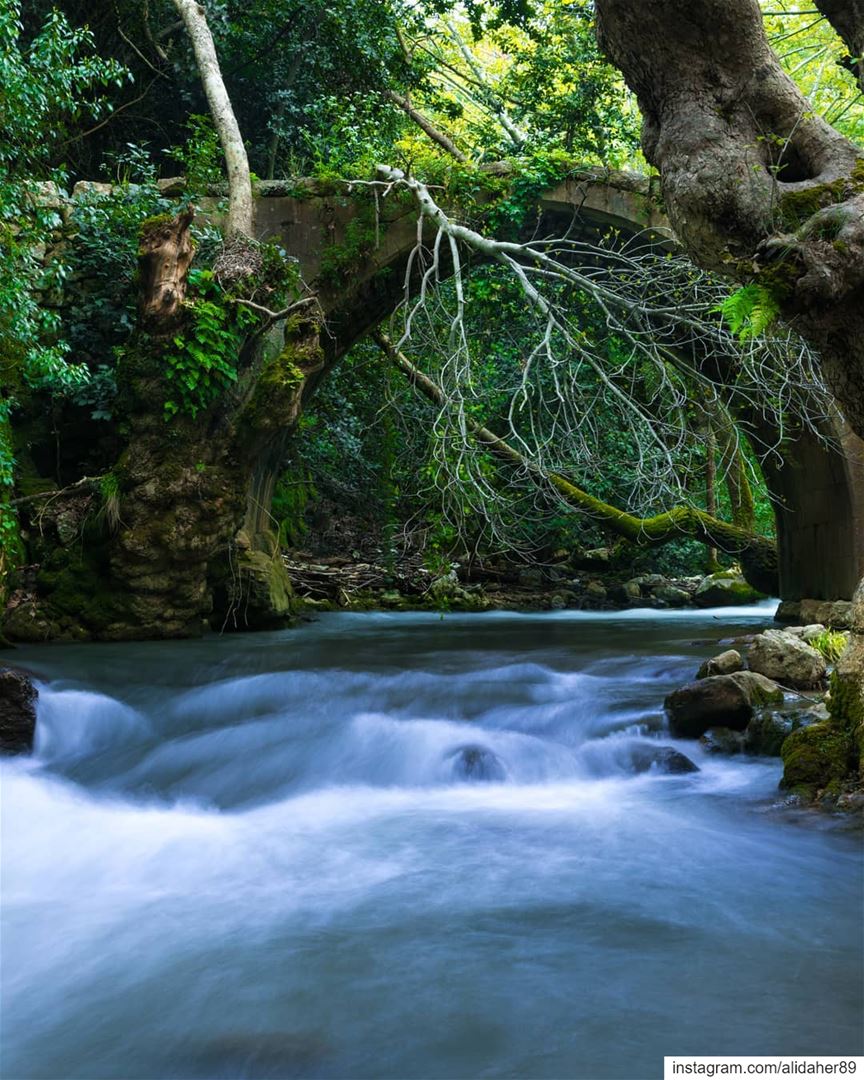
pixel 408 846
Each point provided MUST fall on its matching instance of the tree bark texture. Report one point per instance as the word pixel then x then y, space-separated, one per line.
pixel 755 184
pixel 847 18
pixel 240 219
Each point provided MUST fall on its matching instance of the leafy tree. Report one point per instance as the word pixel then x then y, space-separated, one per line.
pixel 49 83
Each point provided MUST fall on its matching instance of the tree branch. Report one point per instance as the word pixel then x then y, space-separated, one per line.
pixel 427 126
pixel 758 553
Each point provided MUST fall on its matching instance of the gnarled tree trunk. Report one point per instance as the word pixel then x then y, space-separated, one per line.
pixel 758 186
pixel 755 184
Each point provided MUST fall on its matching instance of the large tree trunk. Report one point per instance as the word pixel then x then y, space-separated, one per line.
pixel 755 184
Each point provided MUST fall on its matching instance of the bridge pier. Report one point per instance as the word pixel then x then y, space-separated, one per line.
pixel 818 496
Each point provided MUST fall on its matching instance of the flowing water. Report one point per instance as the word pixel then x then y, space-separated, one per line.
pixel 408 846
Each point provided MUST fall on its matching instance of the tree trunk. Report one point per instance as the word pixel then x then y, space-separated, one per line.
pixel 755 184
pixel 240 205
pixel 847 18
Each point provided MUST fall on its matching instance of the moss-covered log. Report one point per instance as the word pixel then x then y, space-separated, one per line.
pixel 758 554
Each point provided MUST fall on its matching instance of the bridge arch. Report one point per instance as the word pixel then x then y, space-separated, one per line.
pixel 817 489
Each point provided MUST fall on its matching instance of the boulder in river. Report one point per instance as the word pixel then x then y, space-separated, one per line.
pixel 725 590
pixel 476 763
pixel 725 663
pixel 718 701
pixel 759 689
pixel 663 759
pixel 17 712
pixel 784 657
pixel 725 701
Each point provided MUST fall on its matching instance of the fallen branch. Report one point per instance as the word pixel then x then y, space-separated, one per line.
pixel 85 481
pixel 758 553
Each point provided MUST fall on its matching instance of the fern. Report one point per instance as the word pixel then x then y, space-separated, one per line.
pixel 749 311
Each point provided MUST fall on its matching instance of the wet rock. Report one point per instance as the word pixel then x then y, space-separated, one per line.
pixel 632 589
pixel 788 611
pixel 717 701
pixel 722 740
pixel 663 759
pixel 725 590
pixel 673 596
pixel 817 758
pixel 770 728
pixel 759 689
pixel 17 712
pixel 816 713
pixel 833 613
pixel 594 590
pixel 476 763
pixel 786 658
pixel 722 664
pixel 851 801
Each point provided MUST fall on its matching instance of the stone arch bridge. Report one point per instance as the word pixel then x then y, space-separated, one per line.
pixel 818 492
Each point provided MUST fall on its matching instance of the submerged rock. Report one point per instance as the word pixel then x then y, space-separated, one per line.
pixel 17 712
pixel 724 663
pixel 476 763
pixel 788 659
pixel 664 759
pixel 721 740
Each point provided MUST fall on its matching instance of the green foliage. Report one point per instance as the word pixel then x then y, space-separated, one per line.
pixel 750 311
pixel 203 361
pixel 99 315
pixel 48 84
pixel 830 643
pixel 109 491
pixel 201 157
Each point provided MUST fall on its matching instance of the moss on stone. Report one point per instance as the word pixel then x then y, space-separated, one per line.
pixel 816 757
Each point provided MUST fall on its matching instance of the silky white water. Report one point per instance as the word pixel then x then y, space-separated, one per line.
pixel 407 846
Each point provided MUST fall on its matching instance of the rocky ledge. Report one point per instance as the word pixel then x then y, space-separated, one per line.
pixel 770 699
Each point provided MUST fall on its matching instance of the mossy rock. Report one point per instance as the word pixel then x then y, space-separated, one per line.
pixel 725 589
pixel 815 758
